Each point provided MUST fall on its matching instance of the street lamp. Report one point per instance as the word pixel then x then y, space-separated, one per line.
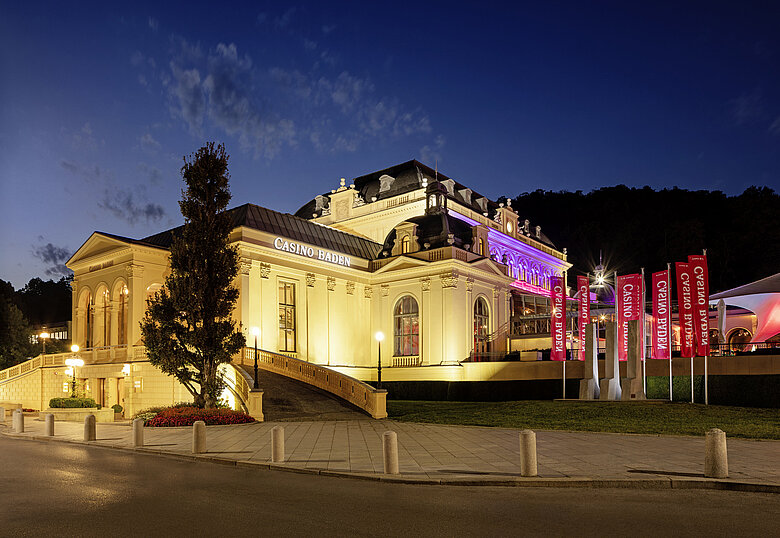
pixel 379 337
pixel 256 331
pixel 74 362
pixel 42 337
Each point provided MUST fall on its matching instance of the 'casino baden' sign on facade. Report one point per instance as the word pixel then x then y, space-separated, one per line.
pixel 311 252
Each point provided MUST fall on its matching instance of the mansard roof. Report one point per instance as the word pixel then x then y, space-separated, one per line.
pixel 285 225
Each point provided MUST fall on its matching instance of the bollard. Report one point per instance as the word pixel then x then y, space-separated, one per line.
pixel 138 432
pixel 390 452
pixel 199 437
pixel 18 421
pixel 49 424
pixel 89 428
pixel 716 461
pixel 2 415
pixel 528 453
pixel 277 444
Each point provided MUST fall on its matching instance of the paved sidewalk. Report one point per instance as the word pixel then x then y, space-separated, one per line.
pixel 450 454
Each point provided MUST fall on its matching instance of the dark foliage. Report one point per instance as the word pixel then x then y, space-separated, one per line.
pixel 637 228
pixel 187 328
pixel 45 302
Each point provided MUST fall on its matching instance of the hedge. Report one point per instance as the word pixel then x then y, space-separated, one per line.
pixel 56 403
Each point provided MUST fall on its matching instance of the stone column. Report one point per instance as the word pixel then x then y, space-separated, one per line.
pixel 610 385
pixel 632 387
pixel 589 385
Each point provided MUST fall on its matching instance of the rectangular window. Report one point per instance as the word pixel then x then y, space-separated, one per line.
pixel 286 316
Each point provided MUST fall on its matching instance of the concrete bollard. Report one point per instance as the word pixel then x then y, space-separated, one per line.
pixel 199 437
pixel 18 421
pixel 138 432
pixel 2 415
pixel 528 453
pixel 390 452
pixel 50 424
pixel 89 428
pixel 277 444
pixel 716 462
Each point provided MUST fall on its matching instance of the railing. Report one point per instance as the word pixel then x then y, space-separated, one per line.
pixel 406 362
pixel 364 396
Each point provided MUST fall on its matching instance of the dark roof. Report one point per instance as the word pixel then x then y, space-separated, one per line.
pixel 770 284
pixel 408 177
pixel 435 230
pixel 288 226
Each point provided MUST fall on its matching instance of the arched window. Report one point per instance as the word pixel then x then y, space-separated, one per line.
pixel 405 244
pixel 406 323
pixel 481 326
pixel 122 317
pixel 481 247
pixel 106 318
pixel 89 321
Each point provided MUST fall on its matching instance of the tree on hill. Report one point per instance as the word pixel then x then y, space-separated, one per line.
pixel 641 227
pixel 15 345
pixel 187 328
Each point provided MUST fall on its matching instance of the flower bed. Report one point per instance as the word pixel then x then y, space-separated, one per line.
pixel 187 416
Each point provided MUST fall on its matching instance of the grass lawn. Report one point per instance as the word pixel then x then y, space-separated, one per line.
pixel 629 417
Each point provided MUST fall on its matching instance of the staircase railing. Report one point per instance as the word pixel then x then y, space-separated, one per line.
pixel 354 391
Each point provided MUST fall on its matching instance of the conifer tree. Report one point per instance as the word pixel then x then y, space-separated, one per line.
pixel 187 328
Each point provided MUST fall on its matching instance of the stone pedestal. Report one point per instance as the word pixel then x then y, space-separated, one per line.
pixel 610 385
pixel 589 385
pixel 633 385
pixel 255 404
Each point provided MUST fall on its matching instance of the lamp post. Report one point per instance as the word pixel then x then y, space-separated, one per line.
pixel 256 331
pixel 42 337
pixel 379 337
pixel 73 362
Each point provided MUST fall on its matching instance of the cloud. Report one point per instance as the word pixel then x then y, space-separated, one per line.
pixel 328 28
pixel 151 172
pixel 747 108
pixel 430 154
pixel 53 256
pixel 775 127
pixel 148 142
pixel 83 139
pixel 91 173
pixel 283 20
pixel 153 23
pixel 270 108
pixel 122 204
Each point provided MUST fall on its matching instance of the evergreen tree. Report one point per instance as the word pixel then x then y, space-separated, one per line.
pixel 15 345
pixel 187 328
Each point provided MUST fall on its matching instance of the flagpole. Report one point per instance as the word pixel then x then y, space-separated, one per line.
pixel 565 311
pixel 669 331
pixel 707 354
pixel 642 336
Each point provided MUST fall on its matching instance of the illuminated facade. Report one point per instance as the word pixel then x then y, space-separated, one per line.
pixel 436 267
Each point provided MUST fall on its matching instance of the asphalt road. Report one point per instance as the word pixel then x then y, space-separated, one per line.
pixel 58 489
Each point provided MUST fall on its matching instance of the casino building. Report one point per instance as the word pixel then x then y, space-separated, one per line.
pixel 436 267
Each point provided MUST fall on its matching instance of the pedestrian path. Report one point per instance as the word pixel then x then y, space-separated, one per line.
pixel 442 454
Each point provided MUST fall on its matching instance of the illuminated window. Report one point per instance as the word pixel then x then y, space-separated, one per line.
pixel 481 247
pixel 481 326
pixel 509 227
pixel 89 318
pixel 405 244
pixel 65 386
pixel 286 316
pixel 122 317
pixel 406 327
pixel 106 318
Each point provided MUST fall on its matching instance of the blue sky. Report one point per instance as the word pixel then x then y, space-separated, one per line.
pixel 99 102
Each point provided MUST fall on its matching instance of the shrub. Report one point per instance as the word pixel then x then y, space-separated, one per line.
pixel 117 408
pixel 186 416
pixel 58 403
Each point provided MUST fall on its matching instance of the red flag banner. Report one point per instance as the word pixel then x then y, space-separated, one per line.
pixel 584 317
pixel 685 308
pixel 661 330
pixel 558 320
pixel 629 297
pixel 701 294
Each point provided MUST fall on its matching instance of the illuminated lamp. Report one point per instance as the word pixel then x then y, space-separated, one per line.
pixel 379 337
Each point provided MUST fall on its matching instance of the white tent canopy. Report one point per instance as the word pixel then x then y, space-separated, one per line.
pixel 761 297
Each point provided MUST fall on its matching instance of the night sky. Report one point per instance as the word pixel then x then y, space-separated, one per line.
pixel 99 103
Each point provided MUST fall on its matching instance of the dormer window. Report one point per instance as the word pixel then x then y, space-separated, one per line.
pixel 431 201
pixel 405 244
pixel 509 227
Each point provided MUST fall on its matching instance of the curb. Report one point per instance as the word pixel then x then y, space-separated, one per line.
pixel 520 482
